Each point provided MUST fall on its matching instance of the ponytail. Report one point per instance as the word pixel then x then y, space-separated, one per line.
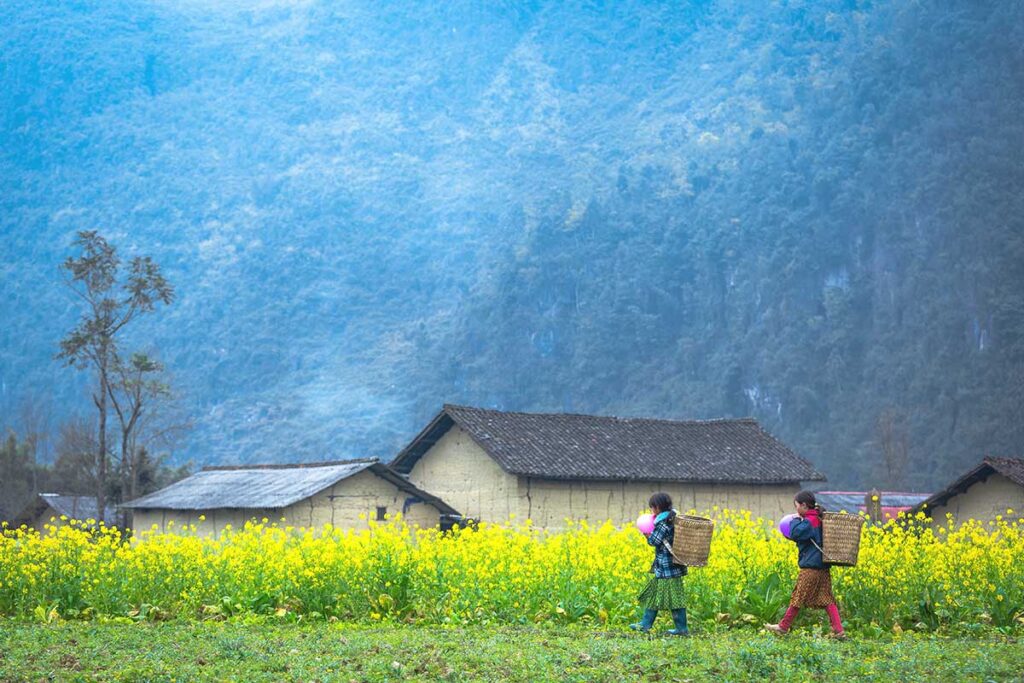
pixel 807 498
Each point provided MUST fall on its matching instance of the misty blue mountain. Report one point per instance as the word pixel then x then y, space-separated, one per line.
pixel 808 212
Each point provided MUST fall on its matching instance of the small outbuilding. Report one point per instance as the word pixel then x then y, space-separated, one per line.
pixel 61 508
pixel 988 490
pixel 889 504
pixel 493 465
pixel 346 494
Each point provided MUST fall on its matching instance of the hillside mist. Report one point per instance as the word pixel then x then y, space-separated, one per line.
pixel 808 212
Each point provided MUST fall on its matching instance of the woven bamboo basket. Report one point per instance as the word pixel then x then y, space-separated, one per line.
pixel 840 538
pixel 691 542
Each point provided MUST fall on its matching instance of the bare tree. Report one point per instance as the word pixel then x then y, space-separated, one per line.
pixel 15 474
pixel 75 466
pixel 893 442
pixel 134 384
pixel 147 416
pixel 159 431
pixel 110 306
pixel 34 417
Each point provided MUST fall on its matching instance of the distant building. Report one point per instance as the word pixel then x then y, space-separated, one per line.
pixel 891 503
pixel 991 488
pixel 346 494
pixel 61 508
pixel 549 467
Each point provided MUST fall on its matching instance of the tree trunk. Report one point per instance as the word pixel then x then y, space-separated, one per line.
pixel 101 456
pixel 126 476
pixel 135 475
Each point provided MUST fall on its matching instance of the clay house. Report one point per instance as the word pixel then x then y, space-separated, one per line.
pixel 58 509
pixel 346 494
pixel 988 490
pixel 495 465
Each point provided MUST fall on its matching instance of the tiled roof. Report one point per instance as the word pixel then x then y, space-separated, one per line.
pixel 267 486
pixel 1011 468
pixel 565 446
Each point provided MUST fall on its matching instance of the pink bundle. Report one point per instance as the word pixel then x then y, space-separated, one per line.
pixel 645 523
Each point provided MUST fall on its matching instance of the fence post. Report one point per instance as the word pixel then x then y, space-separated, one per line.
pixel 873 505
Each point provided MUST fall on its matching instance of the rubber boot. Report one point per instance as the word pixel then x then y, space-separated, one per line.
pixel 646 621
pixel 679 619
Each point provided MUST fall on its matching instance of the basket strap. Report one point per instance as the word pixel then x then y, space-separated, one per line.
pixel 820 549
pixel 668 547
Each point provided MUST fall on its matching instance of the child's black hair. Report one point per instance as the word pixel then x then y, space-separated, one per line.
pixel 661 501
pixel 807 498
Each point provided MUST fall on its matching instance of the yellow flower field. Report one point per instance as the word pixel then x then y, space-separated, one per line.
pixel 908 576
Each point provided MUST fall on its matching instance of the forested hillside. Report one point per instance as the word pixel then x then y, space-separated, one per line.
pixel 808 212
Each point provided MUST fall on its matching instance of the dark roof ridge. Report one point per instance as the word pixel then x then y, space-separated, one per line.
pixel 288 466
pixel 1003 460
pixel 710 420
pixel 1011 468
pixel 570 446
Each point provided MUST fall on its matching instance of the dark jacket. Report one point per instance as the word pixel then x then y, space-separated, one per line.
pixel 806 535
pixel 664 566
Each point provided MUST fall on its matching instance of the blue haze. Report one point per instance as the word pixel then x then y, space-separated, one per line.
pixel 805 211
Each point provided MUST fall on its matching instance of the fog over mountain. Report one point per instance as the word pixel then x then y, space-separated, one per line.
pixel 807 212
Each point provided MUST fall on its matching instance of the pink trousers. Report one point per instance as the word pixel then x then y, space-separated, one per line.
pixel 833 618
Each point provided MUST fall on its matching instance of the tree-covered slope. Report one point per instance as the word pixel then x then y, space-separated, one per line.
pixel 808 212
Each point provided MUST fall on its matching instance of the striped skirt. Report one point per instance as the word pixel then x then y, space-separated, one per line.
pixel 813 589
pixel 663 594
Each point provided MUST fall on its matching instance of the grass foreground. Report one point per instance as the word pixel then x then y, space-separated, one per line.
pixel 230 651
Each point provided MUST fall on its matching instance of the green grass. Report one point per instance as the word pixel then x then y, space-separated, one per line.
pixel 177 651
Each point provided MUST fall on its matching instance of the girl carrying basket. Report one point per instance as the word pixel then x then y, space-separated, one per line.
pixel 814 583
pixel 665 590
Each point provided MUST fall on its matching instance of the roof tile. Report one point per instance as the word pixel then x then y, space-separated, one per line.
pixel 566 446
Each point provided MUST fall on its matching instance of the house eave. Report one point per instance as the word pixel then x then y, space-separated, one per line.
pixel 421 443
pixel 980 473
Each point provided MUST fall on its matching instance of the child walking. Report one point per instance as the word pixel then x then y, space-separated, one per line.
pixel 665 589
pixel 814 583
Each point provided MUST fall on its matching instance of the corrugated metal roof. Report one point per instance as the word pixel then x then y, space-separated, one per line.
pixel 250 487
pixel 563 446
pixel 81 508
pixel 852 501
pixel 77 507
